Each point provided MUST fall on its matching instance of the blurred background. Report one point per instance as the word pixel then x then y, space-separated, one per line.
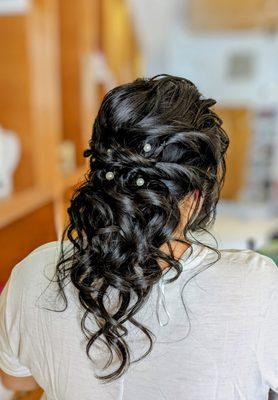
pixel 59 57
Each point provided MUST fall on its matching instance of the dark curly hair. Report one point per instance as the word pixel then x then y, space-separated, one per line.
pixel 116 227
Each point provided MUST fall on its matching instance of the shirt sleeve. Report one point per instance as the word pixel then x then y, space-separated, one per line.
pixel 10 310
pixel 267 349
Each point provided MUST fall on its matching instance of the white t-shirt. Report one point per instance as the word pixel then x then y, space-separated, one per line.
pixel 229 353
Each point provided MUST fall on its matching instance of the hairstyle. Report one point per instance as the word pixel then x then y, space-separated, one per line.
pixel 116 227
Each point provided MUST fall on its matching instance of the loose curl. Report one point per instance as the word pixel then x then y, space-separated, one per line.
pixel 117 228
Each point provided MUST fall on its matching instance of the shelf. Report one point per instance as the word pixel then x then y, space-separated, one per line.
pixel 79 39
pixel 50 92
pixel 22 203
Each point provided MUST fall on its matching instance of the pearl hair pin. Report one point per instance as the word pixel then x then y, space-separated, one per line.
pixel 109 175
pixel 140 181
pixel 147 147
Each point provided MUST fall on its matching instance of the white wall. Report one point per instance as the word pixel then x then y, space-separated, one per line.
pixel 169 47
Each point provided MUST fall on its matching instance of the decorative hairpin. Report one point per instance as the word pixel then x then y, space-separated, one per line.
pixel 140 181
pixel 147 147
pixel 109 175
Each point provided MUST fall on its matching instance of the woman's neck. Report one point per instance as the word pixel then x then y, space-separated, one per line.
pixel 178 250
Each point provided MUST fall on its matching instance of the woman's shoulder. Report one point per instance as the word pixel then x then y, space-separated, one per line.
pixel 244 279
pixel 46 246
pixel 247 257
pixel 37 265
pixel 253 266
pixel 50 247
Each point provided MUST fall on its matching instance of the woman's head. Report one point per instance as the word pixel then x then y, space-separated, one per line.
pixel 187 143
pixel 163 131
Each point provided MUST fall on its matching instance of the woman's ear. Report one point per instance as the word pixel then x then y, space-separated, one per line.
pixel 194 199
pixel 196 194
pixel 187 206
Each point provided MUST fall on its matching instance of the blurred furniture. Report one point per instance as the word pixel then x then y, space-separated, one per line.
pixel 242 225
pixel 35 395
pixel 236 123
pixel 79 40
pixel 213 15
pixel 118 40
pixel 29 105
pixel 50 91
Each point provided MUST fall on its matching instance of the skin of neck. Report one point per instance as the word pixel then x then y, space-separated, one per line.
pixel 187 207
